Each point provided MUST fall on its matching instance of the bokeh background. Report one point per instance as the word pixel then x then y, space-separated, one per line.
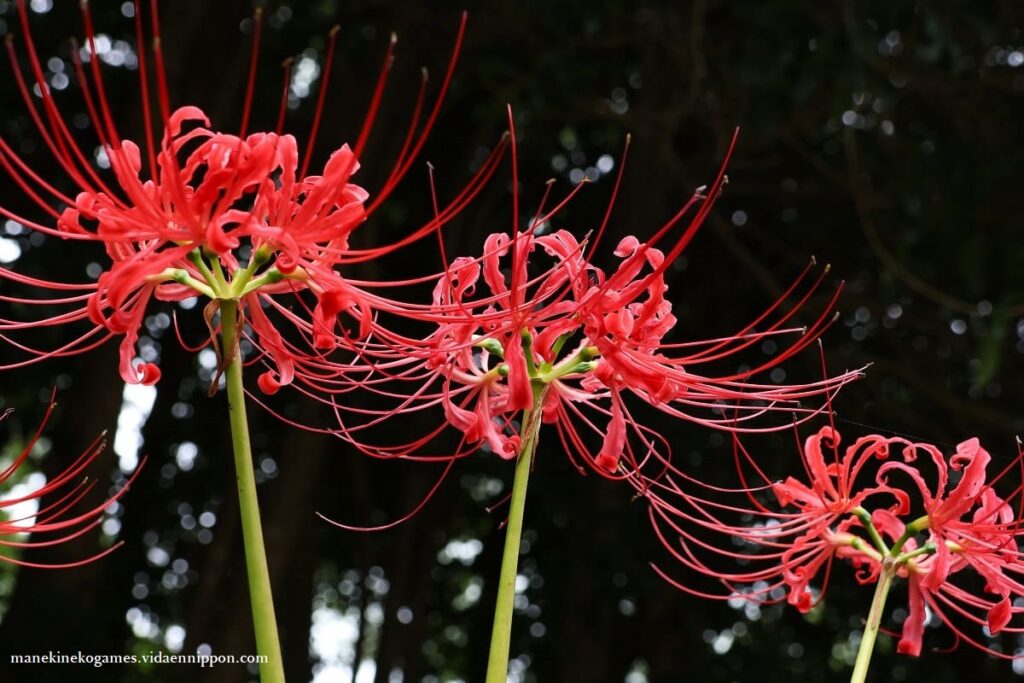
pixel 881 137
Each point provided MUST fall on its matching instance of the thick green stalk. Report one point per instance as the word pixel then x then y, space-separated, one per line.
pixel 501 633
pixel 264 621
pixel 867 641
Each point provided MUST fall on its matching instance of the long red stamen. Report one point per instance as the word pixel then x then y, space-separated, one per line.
pixel 54 141
pixel 147 115
pixel 378 93
pixel 399 172
pixel 286 67
pixel 257 26
pixel 158 62
pixel 97 73
pixel 611 200
pixel 325 81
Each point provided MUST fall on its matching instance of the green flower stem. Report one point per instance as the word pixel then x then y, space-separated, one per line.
pixel 501 633
pixel 914 528
pixel 196 257
pixel 270 277
pixel 867 641
pixel 865 519
pixel 264 621
pixel 217 270
pixel 926 549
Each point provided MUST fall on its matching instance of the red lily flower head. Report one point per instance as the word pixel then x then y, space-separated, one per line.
pixel 799 524
pixel 163 241
pixel 58 516
pixel 490 355
pixel 533 318
pixel 208 213
pixel 960 559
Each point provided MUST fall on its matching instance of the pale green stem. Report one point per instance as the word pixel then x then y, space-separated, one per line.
pixel 197 258
pixel 272 276
pixel 264 621
pixel 867 641
pixel 501 633
pixel 927 549
pixel 219 278
pixel 914 528
pixel 865 519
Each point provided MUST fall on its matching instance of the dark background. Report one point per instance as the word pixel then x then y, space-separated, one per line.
pixel 882 137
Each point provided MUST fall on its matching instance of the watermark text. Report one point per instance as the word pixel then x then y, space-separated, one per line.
pixel 204 661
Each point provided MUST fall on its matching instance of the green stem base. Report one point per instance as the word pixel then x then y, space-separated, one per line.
pixel 264 621
pixel 867 641
pixel 501 633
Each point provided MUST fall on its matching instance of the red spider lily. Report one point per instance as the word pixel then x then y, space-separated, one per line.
pixel 959 558
pixel 971 534
pixel 204 212
pixel 589 338
pixel 61 518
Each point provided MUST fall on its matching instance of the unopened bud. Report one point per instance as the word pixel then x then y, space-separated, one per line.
pixel 491 346
pixel 262 255
pixel 585 367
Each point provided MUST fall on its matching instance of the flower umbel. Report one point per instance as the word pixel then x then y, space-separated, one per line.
pixel 535 309
pixel 206 213
pixel 953 545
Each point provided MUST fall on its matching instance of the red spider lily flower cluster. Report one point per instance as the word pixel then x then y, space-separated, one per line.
pixel 61 518
pixel 207 213
pixel 869 505
pixel 534 323
pixel 237 217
